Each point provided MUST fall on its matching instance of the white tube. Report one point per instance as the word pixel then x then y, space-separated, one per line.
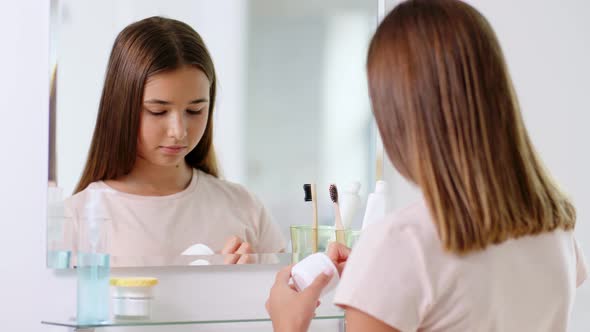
pixel 376 205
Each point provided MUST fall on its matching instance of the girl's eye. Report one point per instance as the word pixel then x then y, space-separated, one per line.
pixel 193 112
pixel 157 113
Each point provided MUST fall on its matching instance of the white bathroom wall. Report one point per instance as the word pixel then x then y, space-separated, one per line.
pixel 547 46
pixel 23 165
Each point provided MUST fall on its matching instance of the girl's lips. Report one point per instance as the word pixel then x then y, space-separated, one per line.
pixel 172 149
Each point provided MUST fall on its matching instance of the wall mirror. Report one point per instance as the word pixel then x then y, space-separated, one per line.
pixel 292 108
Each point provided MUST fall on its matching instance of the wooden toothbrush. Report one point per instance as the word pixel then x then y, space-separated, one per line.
pixel 310 195
pixel 339 227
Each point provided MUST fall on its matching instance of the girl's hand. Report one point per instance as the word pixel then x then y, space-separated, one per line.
pixel 338 253
pixel 292 311
pixel 237 251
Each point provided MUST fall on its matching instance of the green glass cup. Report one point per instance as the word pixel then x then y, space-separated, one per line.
pixel 302 239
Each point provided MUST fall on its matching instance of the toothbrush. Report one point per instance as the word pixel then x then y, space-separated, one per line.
pixel 337 215
pixel 310 195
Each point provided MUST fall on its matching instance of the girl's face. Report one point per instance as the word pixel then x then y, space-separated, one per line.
pixel 174 115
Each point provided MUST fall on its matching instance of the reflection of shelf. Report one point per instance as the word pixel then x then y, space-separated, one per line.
pixel 121 323
pixel 63 260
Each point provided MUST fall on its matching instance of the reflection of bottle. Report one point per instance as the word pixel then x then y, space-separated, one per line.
pixel 93 263
pixel 376 204
pixel 349 203
pixel 58 256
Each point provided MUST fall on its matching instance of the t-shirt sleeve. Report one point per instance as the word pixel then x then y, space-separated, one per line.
pixel 269 236
pixel 581 265
pixel 385 277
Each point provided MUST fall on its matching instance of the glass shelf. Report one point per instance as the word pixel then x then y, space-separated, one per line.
pixel 71 323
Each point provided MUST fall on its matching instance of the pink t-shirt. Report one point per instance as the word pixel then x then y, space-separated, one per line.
pixel 399 274
pixel 158 229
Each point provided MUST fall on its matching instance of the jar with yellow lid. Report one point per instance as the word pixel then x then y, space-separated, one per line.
pixel 132 297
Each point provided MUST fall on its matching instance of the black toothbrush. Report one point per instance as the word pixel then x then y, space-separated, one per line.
pixel 310 196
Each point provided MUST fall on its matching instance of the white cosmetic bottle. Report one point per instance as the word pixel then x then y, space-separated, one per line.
pixel 350 202
pixel 304 273
pixel 198 249
pixel 376 205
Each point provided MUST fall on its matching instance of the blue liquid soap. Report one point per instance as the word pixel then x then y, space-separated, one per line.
pixel 93 288
pixel 58 259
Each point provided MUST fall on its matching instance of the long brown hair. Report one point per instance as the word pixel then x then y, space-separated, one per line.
pixel 144 48
pixel 450 122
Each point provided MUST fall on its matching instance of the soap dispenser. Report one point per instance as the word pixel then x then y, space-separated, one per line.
pixel 93 261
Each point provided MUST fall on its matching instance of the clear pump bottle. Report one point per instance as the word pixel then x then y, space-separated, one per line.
pixel 93 261
pixel 58 247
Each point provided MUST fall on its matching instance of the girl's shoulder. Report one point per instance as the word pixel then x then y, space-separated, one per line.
pixel 414 218
pixel 407 235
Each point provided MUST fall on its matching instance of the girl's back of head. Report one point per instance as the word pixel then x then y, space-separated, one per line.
pixel 450 123
pixel 141 50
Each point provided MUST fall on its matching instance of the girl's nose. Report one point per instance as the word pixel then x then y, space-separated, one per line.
pixel 177 127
